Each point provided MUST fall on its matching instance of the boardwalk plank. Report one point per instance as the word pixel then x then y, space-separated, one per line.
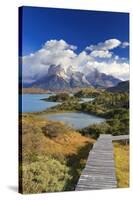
pixel 120 137
pixel 99 171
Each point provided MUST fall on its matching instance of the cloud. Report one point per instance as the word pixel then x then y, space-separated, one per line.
pixel 53 52
pixel 59 52
pixel 58 45
pixel 114 68
pixel 101 54
pixel 125 44
pixel 106 45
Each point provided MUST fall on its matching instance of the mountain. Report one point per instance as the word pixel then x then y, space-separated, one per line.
pixel 102 80
pixel 120 87
pixel 78 79
pixel 57 78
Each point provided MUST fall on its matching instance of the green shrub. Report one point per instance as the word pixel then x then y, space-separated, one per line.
pixel 118 126
pixel 118 113
pixel 96 129
pixel 61 97
pixel 87 93
pixel 46 175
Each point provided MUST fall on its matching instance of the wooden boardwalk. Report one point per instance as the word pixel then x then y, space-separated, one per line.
pixel 99 172
pixel 120 137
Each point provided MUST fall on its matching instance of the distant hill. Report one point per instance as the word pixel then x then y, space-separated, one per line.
pixel 33 91
pixel 120 87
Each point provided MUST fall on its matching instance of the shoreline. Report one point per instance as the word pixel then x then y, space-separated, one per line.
pixel 53 110
pixel 60 111
pixel 44 114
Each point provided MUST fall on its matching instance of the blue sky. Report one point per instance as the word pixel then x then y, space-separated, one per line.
pixel 76 27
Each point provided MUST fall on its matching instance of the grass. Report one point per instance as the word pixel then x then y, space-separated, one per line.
pixel 53 155
pixel 121 154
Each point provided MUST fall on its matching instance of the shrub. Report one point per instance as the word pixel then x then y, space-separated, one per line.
pixel 96 129
pixel 61 97
pixel 118 126
pixel 87 93
pixel 54 130
pixel 45 175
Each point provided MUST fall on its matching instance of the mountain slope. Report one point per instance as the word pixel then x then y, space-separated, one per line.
pixel 57 78
pixel 98 79
pixel 120 87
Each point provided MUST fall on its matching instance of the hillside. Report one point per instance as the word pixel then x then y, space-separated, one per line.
pixel 33 91
pixel 112 106
pixel 53 155
pixel 120 87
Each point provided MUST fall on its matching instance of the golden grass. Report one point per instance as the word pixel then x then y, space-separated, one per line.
pixel 52 147
pixel 66 143
pixel 121 154
pixel 33 91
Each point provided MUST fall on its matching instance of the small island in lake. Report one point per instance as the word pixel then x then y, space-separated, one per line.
pixel 61 97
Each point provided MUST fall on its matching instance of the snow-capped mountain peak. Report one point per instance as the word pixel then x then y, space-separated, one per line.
pixel 58 78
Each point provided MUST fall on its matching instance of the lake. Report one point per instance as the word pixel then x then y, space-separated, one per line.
pixel 84 100
pixel 75 119
pixel 32 102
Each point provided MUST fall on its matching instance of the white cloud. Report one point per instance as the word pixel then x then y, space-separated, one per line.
pixel 58 45
pixel 116 57
pixel 114 68
pixel 101 54
pixel 61 53
pixel 125 44
pixel 81 60
pixel 106 45
pixel 53 52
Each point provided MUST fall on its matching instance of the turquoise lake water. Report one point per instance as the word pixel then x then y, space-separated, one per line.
pixel 32 103
pixel 74 119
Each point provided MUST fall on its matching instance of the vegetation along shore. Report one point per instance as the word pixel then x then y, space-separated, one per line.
pixel 54 154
